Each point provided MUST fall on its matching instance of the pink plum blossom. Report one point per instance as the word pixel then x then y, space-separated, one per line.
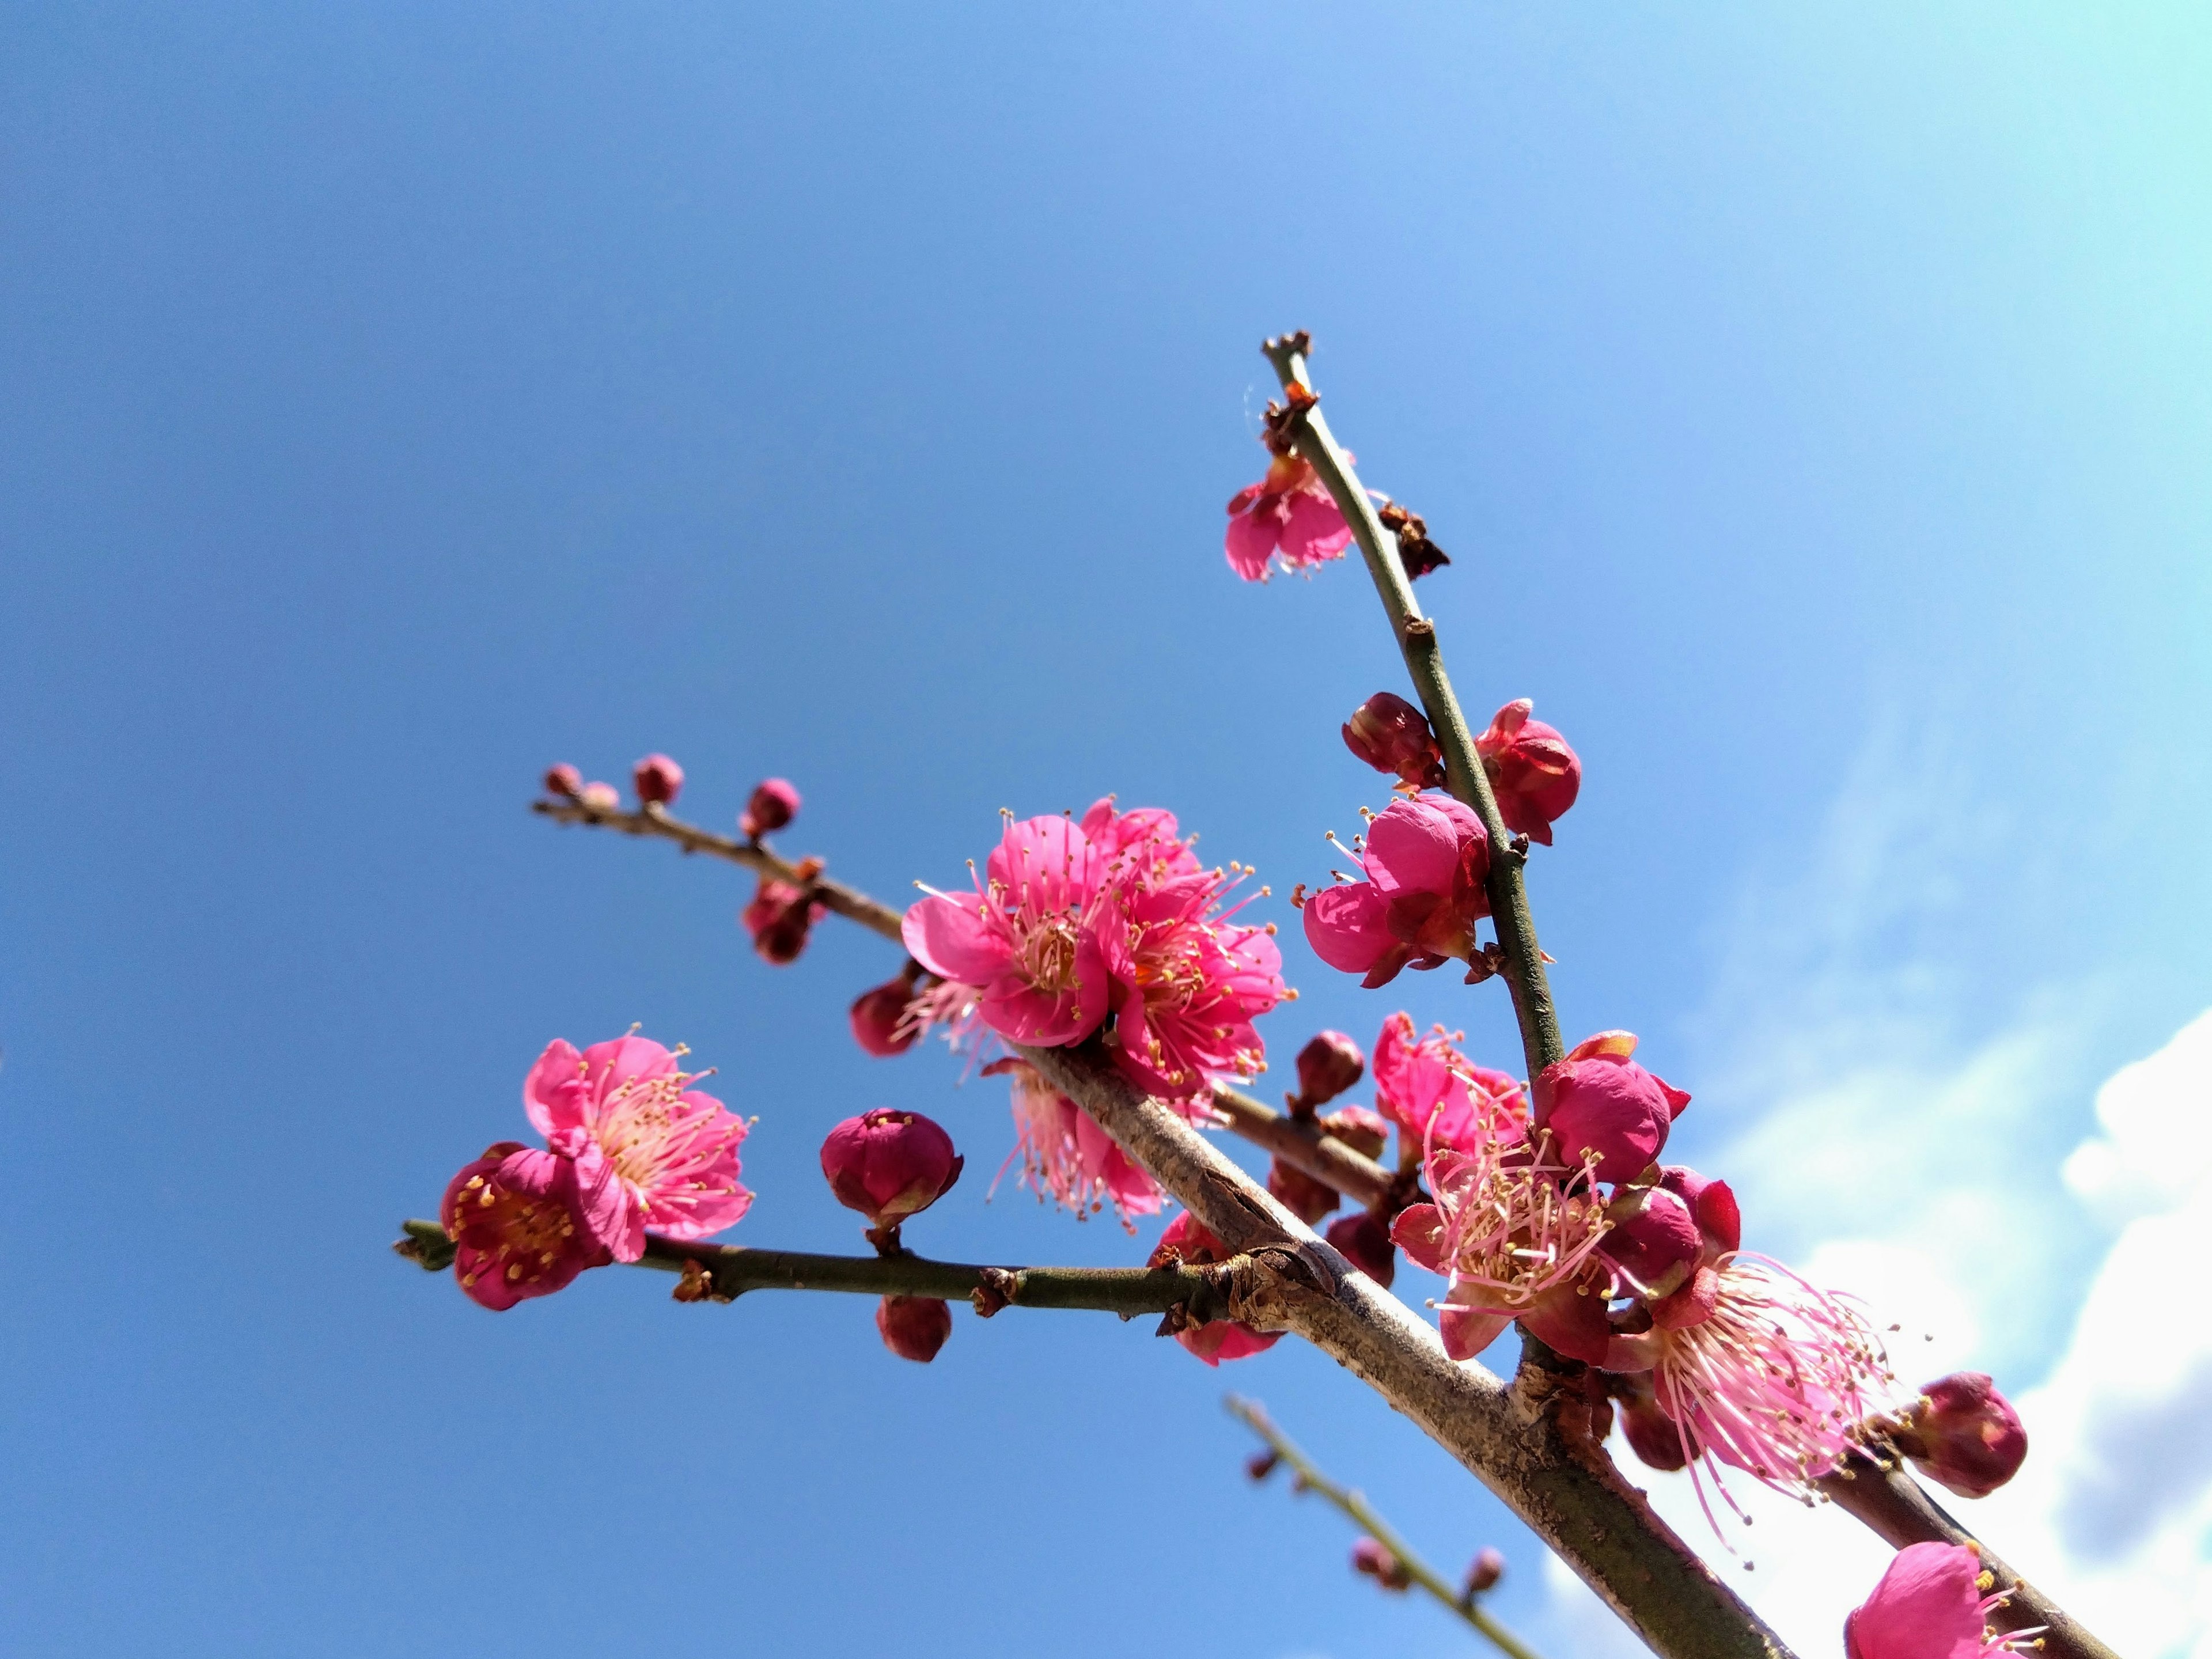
pixel 780 918
pixel 1187 1240
pixel 515 1219
pixel 1597 1100
pixel 1067 1157
pixel 1433 1092
pixel 1931 1604
pixel 649 1151
pixel 1425 862
pixel 1288 518
pixel 1962 1434
pixel 888 1164
pixel 881 1020
pixel 1533 773
pixel 1025 936
pixel 1393 737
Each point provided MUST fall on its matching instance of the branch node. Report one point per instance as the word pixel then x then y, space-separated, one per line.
pixel 999 1289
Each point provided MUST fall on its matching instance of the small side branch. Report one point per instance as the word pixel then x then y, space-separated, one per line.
pixel 1897 1508
pixel 725 1272
pixel 1311 1149
pixel 1417 641
pixel 1354 1507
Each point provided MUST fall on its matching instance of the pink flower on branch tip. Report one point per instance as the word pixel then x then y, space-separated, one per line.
pixel 1287 520
pixel 1187 1240
pixel 564 781
pixel 888 1164
pixel 1932 1602
pixel 1535 776
pixel 780 919
pixel 1425 862
pixel 1597 1100
pixel 1962 1434
pixel 1067 1157
pixel 658 779
pixel 649 1151
pixel 1393 736
pixel 883 1018
pixel 774 804
pixel 914 1327
pixel 514 1218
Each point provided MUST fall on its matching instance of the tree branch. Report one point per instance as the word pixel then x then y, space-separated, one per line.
pixel 1417 641
pixel 1354 1506
pixel 1900 1511
pixel 1194 1294
pixel 1531 1448
pixel 1308 1148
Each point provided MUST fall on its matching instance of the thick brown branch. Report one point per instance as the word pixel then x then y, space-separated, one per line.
pixel 1529 1447
pixel 1899 1510
pixel 1201 1292
pixel 1417 641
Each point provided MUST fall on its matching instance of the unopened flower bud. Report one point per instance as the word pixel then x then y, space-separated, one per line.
pixel 1366 1132
pixel 564 781
pixel 1378 1564
pixel 1964 1435
pixel 1652 1436
pixel 1535 776
pixel 600 797
pixel 1186 1240
pixel 1484 1570
pixel 775 803
pixel 880 1024
pixel 1393 736
pixel 778 919
pixel 1655 1246
pixel 1329 1064
pixel 914 1327
pixel 1598 1101
pixel 1300 1194
pixel 1262 1464
pixel 658 779
pixel 889 1165
pixel 1364 1241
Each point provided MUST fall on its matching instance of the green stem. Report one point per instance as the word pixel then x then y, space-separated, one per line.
pixel 1417 641
pixel 1356 1508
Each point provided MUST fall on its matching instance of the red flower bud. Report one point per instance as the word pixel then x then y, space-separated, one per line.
pixel 1300 1194
pixel 1533 773
pixel 879 1021
pixel 1651 1434
pixel 1364 1241
pixel 1393 736
pixel 1484 1570
pixel 1366 1132
pixel 564 781
pixel 601 797
pixel 1378 1564
pixel 1655 1246
pixel 657 779
pixel 778 919
pixel 1964 1435
pixel 1598 1100
pixel 1187 1241
pixel 1262 1464
pixel 889 1165
pixel 513 1216
pixel 914 1327
pixel 775 803
pixel 1329 1064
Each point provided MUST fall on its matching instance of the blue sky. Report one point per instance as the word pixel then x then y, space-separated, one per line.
pixel 1815 407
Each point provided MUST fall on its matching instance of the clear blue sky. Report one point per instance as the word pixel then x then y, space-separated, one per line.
pixel 1816 403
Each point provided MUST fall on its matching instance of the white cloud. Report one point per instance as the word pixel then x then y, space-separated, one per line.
pixel 1884 1152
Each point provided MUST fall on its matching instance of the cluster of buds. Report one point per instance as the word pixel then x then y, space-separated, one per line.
pixel 890 1165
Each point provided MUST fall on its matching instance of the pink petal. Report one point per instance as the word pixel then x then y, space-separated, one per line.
pixel 954 937
pixel 553 1094
pixel 1315 530
pixel 1348 925
pixel 1413 847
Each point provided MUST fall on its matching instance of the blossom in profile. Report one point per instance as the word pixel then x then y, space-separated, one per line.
pixel 1025 936
pixel 1393 736
pixel 1067 1158
pixel 650 1150
pixel 1535 776
pixel 1187 1240
pixel 1435 1094
pixel 1287 520
pixel 1962 1434
pixel 774 804
pixel 914 1327
pixel 1932 1602
pixel 882 1017
pixel 514 1217
pixel 1424 862
pixel 1598 1100
pixel 780 918
pixel 888 1164
pixel 658 779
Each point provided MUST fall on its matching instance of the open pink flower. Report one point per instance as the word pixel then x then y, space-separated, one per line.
pixel 515 1219
pixel 1024 937
pixel 1930 1604
pixel 1067 1157
pixel 1289 517
pixel 1143 837
pixel 1535 776
pixel 1436 1095
pixel 1425 862
pixel 1187 984
pixel 1187 1240
pixel 650 1151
